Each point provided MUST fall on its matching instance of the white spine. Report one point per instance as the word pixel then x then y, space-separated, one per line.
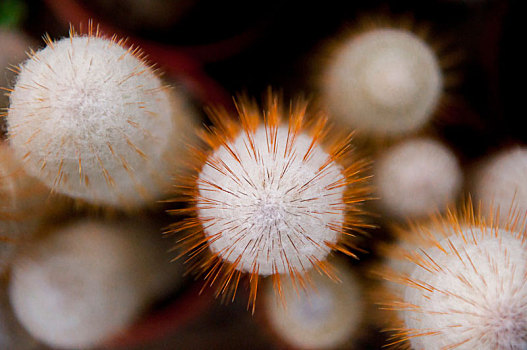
pixel 276 213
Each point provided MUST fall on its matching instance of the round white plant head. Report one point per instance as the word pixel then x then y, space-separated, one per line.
pixel 383 82
pixel 85 282
pixel 463 287
pixel 92 120
pixel 416 177
pixel 272 204
pixel 269 198
pixel 500 182
pixel 326 315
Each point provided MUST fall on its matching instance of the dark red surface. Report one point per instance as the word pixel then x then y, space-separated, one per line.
pixel 161 323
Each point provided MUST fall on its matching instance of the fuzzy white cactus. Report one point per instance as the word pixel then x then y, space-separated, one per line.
pixel 463 285
pixel 416 177
pixel 83 283
pixel 326 315
pixel 383 82
pixel 270 198
pixel 500 182
pixel 281 218
pixel 92 120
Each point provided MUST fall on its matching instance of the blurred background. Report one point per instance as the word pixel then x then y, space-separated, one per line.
pixel 216 49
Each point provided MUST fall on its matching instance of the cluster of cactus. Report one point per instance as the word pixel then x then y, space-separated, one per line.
pixel 269 191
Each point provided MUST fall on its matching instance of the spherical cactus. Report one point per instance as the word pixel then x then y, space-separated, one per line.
pixel 268 198
pixel 499 183
pixel 92 120
pixel 383 81
pixel 82 283
pixel 462 285
pixel 325 315
pixel 416 177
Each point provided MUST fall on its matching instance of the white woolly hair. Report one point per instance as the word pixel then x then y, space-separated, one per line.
pixel 276 214
pixel 416 177
pixel 85 282
pixel 326 315
pixel 384 82
pixel 500 182
pixel 467 291
pixel 93 121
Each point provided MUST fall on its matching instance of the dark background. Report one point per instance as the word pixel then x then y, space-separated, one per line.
pixel 278 43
